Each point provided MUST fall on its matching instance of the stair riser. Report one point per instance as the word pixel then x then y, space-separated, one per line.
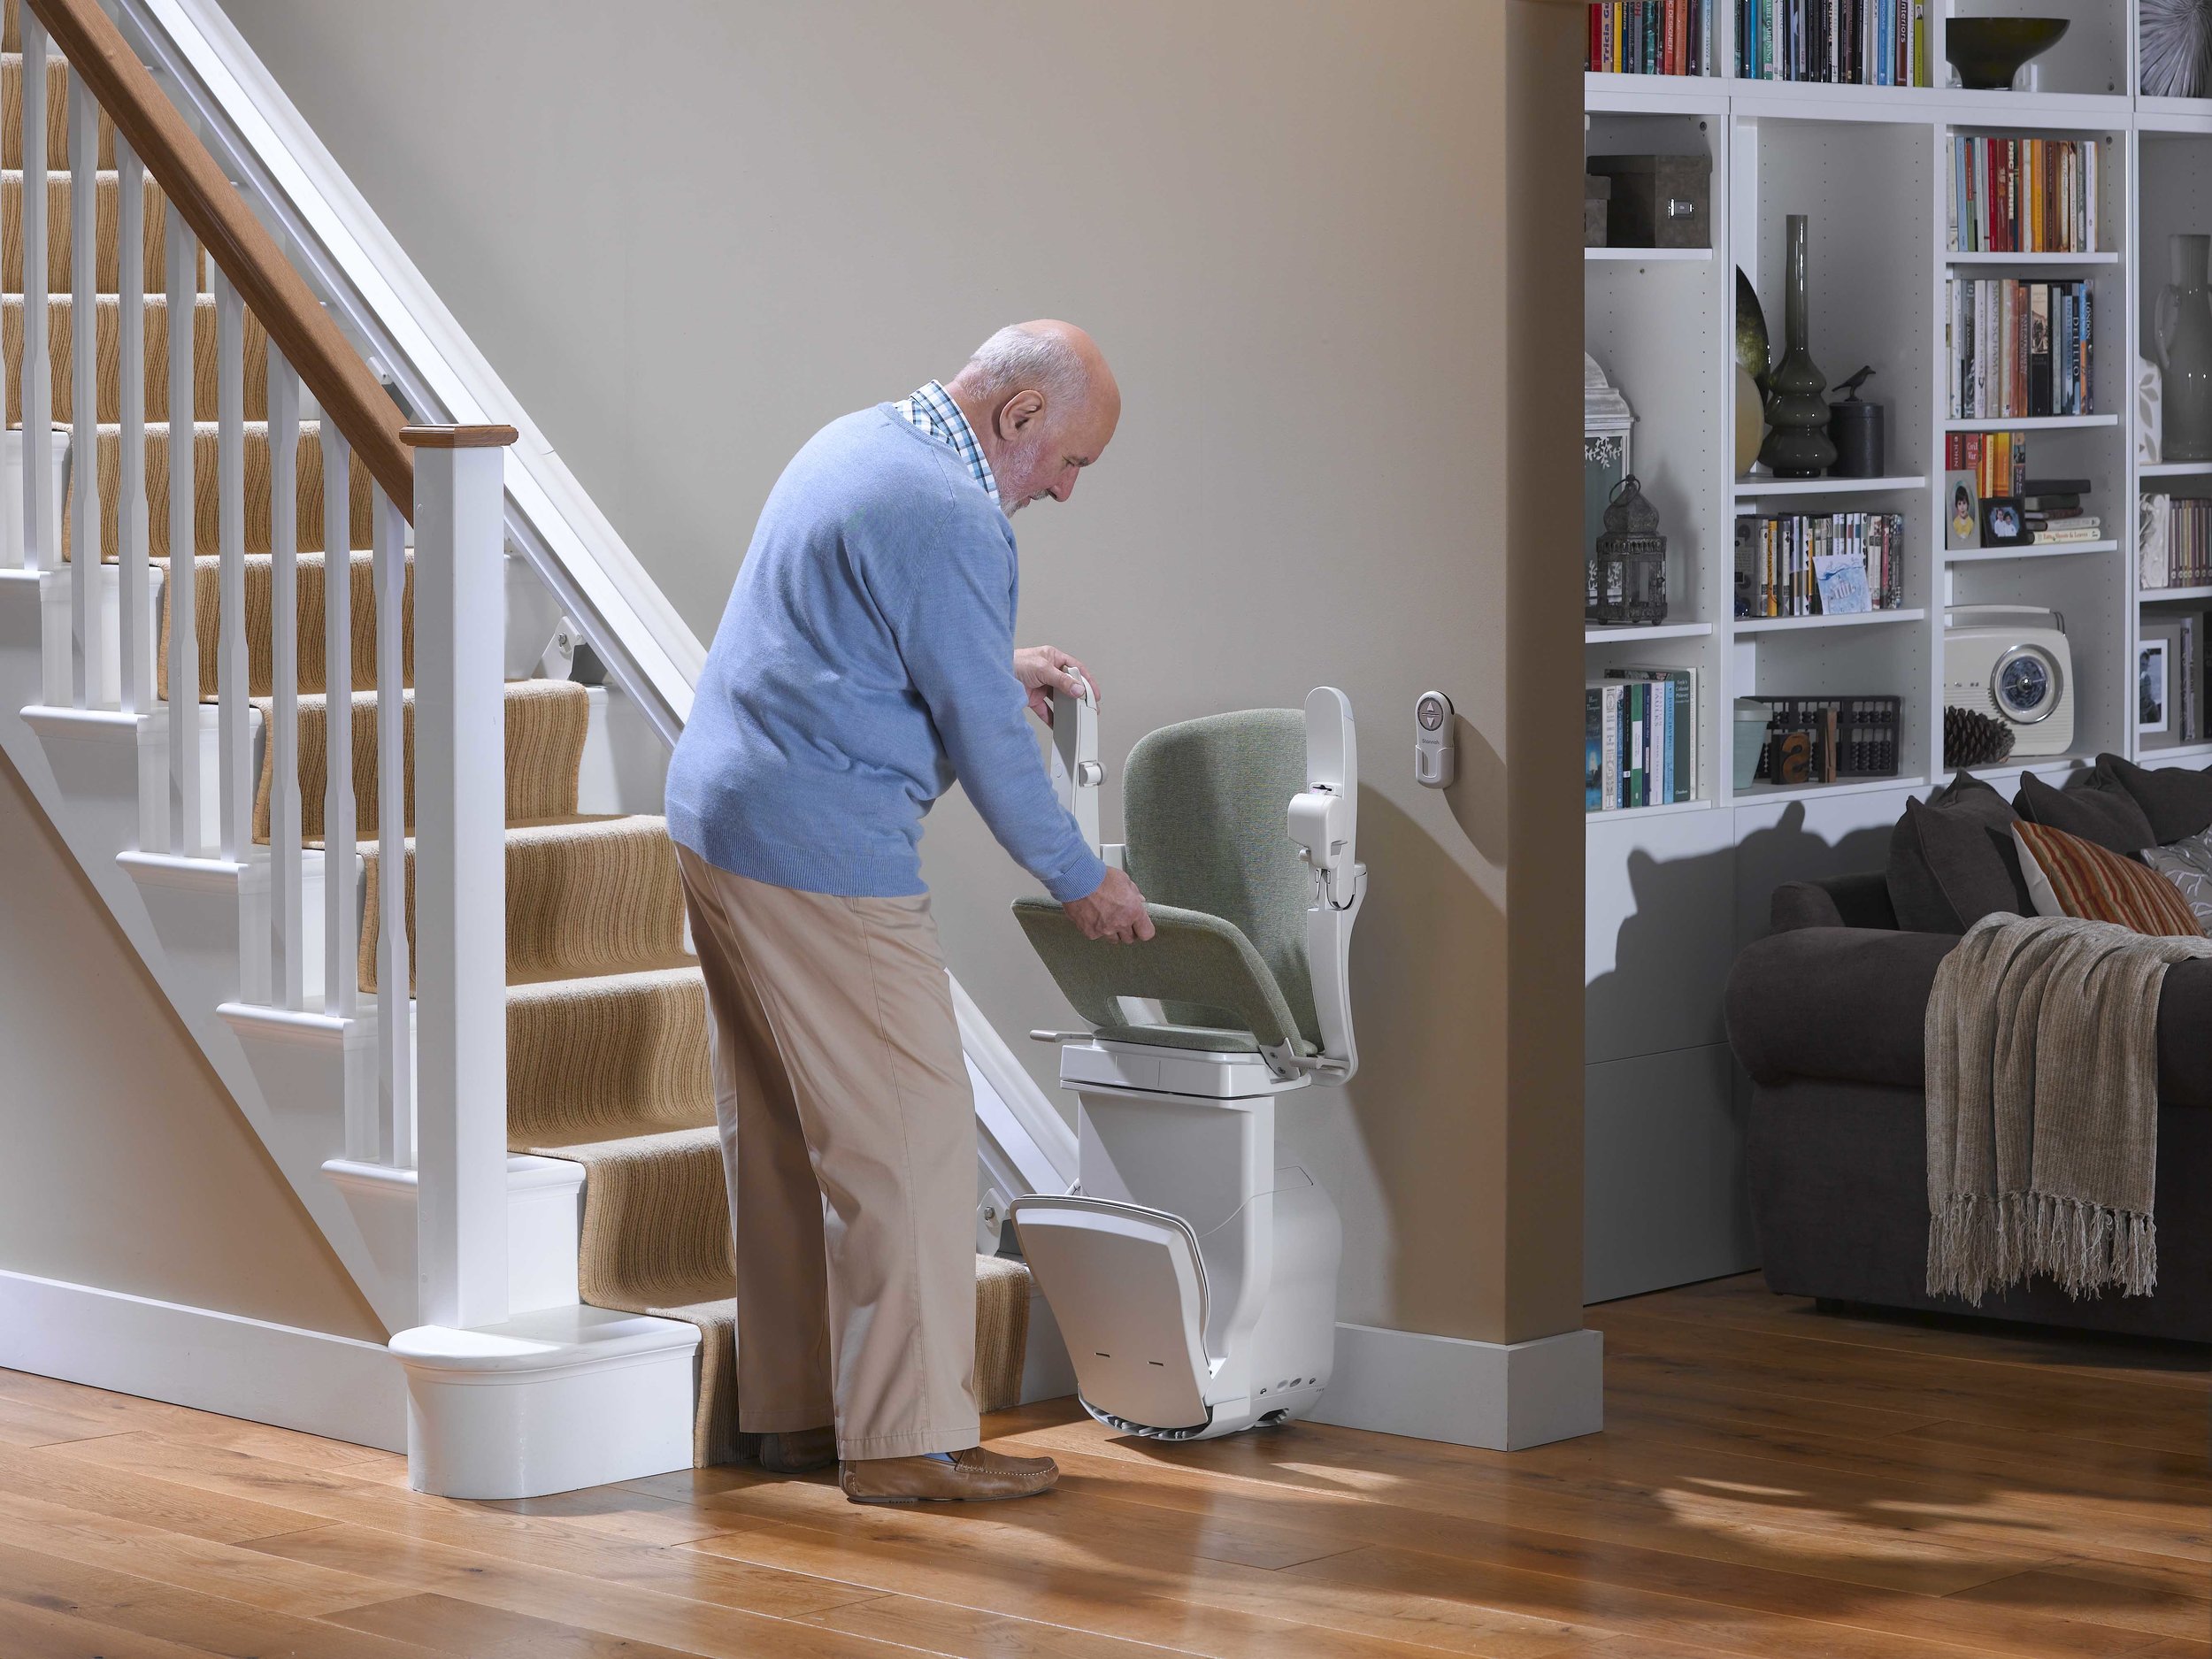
pixel 629 1057
pixel 60 343
pixel 260 681
pixel 57 115
pixel 573 909
pixel 308 498
pixel 58 265
pixel 542 766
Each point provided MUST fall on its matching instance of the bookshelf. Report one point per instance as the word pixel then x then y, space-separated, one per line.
pixel 1674 891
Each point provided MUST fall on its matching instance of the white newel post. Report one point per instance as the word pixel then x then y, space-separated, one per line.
pixel 460 874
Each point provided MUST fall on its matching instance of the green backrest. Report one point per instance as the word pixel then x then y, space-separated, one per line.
pixel 1203 810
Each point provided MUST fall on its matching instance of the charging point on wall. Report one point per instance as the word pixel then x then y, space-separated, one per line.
pixel 1435 760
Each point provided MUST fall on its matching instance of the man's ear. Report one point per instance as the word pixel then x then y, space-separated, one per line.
pixel 1017 412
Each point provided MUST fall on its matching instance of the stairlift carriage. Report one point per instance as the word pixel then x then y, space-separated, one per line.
pixel 1192 1275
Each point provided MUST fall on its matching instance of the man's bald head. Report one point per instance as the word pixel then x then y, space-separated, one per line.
pixel 1043 405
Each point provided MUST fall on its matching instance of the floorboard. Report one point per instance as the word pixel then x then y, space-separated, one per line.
pixel 1774 1480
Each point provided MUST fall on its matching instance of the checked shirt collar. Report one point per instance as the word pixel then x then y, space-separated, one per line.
pixel 930 410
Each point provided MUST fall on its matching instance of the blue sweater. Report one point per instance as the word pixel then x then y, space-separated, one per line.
pixel 865 663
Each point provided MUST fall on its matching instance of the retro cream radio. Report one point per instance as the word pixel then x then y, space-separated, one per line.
pixel 2010 661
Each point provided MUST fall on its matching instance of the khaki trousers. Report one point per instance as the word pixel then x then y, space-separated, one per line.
pixel 848 1142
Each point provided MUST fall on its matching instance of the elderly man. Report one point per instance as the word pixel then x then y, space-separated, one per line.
pixel 866 661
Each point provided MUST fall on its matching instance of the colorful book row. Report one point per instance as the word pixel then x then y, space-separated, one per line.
pixel 1808 565
pixel 2023 194
pixel 1640 738
pixel 1998 460
pixel 1849 42
pixel 1651 37
pixel 2020 351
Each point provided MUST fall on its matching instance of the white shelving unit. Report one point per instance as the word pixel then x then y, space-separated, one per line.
pixel 1674 891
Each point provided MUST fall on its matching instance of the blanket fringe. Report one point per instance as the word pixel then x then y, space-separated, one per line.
pixel 1979 1244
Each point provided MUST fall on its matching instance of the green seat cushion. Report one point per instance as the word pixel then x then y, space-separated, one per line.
pixel 1194 963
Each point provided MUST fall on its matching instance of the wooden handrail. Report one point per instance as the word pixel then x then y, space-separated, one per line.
pixel 238 244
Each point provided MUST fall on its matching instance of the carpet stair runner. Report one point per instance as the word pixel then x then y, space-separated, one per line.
pixel 608 1061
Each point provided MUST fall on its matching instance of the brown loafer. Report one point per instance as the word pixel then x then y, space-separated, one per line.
pixel 975 1475
pixel 798 1451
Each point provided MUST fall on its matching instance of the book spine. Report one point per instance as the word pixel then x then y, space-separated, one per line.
pixel 1616 748
pixel 1593 750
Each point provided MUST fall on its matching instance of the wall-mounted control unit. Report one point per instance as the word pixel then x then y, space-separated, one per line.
pixel 1435 761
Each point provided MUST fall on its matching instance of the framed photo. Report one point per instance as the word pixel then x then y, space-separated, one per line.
pixel 2158 690
pixel 2004 522
pixel 1961 512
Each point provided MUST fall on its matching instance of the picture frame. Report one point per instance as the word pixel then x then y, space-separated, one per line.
pixel 2153 688
pixel 1963 511
pixel 2005 522
pixel 2158 723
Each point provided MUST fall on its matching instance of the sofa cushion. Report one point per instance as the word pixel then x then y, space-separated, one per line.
pixel 2068 876
pixel 2093 806
pixel 2187 864
pixel 2175 801
pixel 1952 861
pixel 1850 1003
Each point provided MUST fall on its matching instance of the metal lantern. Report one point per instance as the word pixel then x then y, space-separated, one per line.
pixel 1628 567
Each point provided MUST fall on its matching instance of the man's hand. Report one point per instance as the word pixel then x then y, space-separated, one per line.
pixel 1114 910
pixel 1045 669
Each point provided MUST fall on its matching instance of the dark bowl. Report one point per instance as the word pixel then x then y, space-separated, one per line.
pixel 1987 52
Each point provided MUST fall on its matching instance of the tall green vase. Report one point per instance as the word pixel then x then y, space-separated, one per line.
pixel 1797 443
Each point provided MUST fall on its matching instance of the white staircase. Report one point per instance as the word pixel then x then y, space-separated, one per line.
pixel 386 1115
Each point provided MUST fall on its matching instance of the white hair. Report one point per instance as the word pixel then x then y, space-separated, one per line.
pixel 1015 359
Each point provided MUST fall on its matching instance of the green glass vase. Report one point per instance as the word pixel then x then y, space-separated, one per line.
pixel 1797 443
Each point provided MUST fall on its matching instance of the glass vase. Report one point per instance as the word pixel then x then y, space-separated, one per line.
pixel 2184 333
pixel 1797 445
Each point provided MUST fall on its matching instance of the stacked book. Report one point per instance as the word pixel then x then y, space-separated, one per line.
pixel 2055 515
pixel 1998 460
pixel 2023 194
pixel 2019 350
pixel 2176 541
pixel 1651 37
pixel 1805 564
pixel 1853 42
pixel 1640 738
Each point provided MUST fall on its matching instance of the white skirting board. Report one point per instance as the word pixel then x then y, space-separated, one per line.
pixel 337 1387
pixel 1506 1396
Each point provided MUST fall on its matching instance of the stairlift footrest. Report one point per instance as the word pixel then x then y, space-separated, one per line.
pixel 1128 1288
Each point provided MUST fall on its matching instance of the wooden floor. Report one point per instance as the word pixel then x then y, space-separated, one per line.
pixel 1772 1480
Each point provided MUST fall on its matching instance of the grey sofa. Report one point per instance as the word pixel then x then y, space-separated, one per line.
pixel 1825 1013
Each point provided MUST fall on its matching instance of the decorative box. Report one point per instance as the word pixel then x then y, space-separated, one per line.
pixel 1658 201
pixel 1596 192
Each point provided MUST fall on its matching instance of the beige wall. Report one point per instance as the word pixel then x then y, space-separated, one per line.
pixel 128 1167
pixel 1331 249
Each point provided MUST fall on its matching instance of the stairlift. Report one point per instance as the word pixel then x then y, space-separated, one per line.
pixel 1192 1275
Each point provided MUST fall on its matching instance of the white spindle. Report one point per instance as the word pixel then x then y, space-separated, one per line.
pixel 286 924
pixel 135 627
pixel 341 919
pixel 460 876
pixel 85 599
pixel 39 541
pixel 182 283
pixel 394 1039
pixel 233 716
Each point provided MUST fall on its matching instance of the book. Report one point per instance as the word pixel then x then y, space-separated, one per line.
pixel 1675 740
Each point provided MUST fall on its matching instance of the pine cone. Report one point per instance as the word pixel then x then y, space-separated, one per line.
pixel 1971 739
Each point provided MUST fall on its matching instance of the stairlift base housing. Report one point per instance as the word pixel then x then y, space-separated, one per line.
pixel 1193 1275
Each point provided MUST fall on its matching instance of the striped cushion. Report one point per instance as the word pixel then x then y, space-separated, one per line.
pixel 2068 876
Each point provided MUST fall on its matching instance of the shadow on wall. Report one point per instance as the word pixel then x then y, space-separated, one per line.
pixel 1477 796
pixel 1665 1195
pixel 1689 918
pixel 1428 986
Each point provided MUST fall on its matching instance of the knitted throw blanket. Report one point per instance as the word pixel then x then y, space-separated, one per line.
pixel 2042 1082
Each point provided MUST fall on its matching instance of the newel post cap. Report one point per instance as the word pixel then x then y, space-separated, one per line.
pixel 458 437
